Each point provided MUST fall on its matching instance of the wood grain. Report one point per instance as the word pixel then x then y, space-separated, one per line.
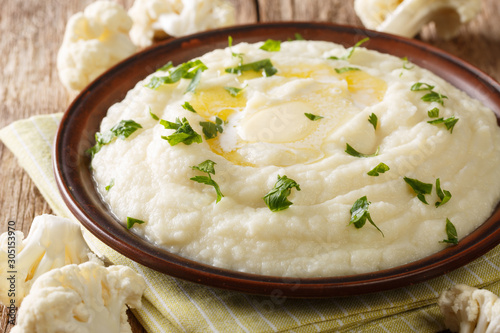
pixel 32 32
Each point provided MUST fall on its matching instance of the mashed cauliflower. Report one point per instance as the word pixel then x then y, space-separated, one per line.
pixel 262 132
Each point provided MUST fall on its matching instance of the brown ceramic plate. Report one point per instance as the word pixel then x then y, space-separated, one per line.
pixel 82 119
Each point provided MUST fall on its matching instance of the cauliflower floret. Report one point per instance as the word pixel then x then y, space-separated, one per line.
pixel 94 41
pixel 52 243
pixel 407 17
pixel 81 298
pixel 155 18
pixel 470 310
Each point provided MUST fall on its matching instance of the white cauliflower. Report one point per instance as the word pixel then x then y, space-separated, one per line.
pixel 81 298
pixel 407 17
pixel 93 41
pixel 157 18
pixel 52 242
pixel 470 310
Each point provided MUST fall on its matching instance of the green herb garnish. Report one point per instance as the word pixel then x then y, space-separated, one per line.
pixel 121 130
pixel 353 152
pixel 420 86
pixel 346 69
pixel 111 184
pixel 264 64
pixel 380 168
pixel 271 45
pixel 351 50
pixel 184 132
pixel 277 198
pixel 230 45
pixel 448 122
pixel 359 214
pixel 298 36
pixel 165 67
pixel 434 97
pixel 188 107
pixel 131 221
pixel 444 195
pixel 420 188
pixel 434 113
pixel 211 129
pixel 233 91
pixel 406 62
pixel 313 117
pixel 373 119
pixel 155 117
pixel 451 233
pixel 208 167
pixel 195 81
pixel 188 70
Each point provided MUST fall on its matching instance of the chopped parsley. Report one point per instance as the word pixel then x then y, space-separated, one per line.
pixel 264 64
pixel 373 119
pixel 353 152
pixel 433 113
pixel 211 129
pixel 184 132
pixel 431 96
pixel 155 117
pixel 165 67
pixel 233 91
pixel 230 45
pixel 131 221
pixel 406 63
pixel 451 233
pixel 351 50
pixel 111 184
pixel 420 188
pixel 359 214
pixel 189 70
pixel 121 130
pixel 380 168
pixel 313 117
pixel 420 86
pixel 271 45
pixel 277 198
pixel 448 122
pixel 188 107
pixel 208 167
pixel 346 69
pixel 443 195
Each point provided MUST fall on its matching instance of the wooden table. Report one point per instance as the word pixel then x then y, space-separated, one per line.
pixel 31 32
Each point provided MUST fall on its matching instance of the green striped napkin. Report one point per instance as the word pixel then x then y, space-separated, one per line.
pixel 173 305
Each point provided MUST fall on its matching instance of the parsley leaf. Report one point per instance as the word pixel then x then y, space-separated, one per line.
pixel 359 214
pixel 188 107
pixel 271 45
pixel 277 198
pixel 131 221
pixel 444 195
pixel 420 188
pixel 111 184
pixel 184 132
pixel 187 70
pixel 313 117
pixel 211 129
pixel 208 167
pixel 351 50
pixel 264 64
pixel 406 62
pixel 165 67
pixel 451 233
pixel 121 130
pixel 448 122
pixel 346 69
pixel 373 119
pixel 380 168
pixel 155 117
pixel 434 97
pixel 353 152
pixel 420 86
pixel 433 113
pixel 233 91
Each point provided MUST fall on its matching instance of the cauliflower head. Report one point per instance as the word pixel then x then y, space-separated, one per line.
pixel 85 298
pixel 94 40
pixel 52 242
pixel 407 17
pixel 159 18
pixel 470 310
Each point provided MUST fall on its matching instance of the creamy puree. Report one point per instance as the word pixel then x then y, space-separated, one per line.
pixel 266 134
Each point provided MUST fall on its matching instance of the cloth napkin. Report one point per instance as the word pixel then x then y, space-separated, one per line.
pixel 174 305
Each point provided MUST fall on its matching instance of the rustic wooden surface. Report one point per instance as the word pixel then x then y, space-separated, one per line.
pixel 31 32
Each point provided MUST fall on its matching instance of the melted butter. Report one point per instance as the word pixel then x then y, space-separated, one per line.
pixel 217 102
pixel 361 82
